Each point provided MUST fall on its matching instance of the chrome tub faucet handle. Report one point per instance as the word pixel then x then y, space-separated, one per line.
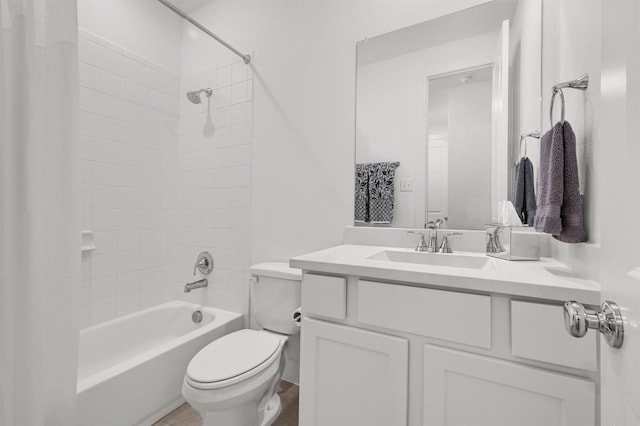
pixel 204 263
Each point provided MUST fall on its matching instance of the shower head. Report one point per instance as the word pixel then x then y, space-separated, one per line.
pixel 194 95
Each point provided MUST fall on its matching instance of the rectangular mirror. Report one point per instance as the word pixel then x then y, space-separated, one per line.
pixel 440 107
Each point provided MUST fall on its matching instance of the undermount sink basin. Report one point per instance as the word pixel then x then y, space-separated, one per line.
pixel 452 260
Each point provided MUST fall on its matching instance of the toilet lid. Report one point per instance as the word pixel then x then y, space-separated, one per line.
pixel 232 355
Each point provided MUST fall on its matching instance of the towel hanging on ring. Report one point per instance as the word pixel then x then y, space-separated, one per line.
pixel 559 200
pixel 524 196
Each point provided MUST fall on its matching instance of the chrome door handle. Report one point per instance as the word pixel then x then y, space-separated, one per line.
pixel 608 321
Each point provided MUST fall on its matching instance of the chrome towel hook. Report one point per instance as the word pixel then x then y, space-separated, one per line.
pixel 581 83
pixel 553 98
pixel 523 138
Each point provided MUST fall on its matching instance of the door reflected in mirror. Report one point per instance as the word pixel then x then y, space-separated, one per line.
pixel 445 101
pixel 459 147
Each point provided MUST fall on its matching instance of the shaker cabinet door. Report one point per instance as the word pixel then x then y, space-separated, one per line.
pixel 467 389
pixel 351 377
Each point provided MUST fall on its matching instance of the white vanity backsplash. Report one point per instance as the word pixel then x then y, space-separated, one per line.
pixel 469 241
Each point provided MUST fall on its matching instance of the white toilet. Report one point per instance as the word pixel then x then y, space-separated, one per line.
pixel 232 380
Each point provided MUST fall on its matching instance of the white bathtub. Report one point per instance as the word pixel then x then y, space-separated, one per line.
pixel 130 369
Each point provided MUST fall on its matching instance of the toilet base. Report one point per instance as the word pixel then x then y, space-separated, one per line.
pixel 272 410
pixel 245 415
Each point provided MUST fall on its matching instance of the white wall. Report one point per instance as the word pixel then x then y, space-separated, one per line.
pixel 526 69
pixel 304 113
pixel 571 47
pixel 392 113
pixel 143 27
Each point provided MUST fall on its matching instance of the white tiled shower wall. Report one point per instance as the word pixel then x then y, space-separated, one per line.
pixel 159 188
pixel 210 199
pixel 129 121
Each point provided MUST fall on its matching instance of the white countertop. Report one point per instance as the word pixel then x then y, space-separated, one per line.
pixel 543 279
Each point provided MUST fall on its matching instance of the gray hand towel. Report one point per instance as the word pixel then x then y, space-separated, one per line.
pixel 362 193
pixel 524 197
pixel 559 200
pixel 571 211
pixel 550 182
pixel 381 182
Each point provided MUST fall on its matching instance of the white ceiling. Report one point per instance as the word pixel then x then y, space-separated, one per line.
pixel 482 19
pixel 189 5
pixel 439 95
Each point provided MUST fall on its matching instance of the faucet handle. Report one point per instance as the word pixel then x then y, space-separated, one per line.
pixel 422 244
pixel 444 247
pixel 204 263
pixel 199 264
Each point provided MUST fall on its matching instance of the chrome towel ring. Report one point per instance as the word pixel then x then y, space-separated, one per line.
pixel 523 138
pixel 581 83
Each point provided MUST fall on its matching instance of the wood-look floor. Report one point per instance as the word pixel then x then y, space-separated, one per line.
pixel 187 416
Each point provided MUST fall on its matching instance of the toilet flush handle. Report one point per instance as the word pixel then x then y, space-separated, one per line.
pixel 297 316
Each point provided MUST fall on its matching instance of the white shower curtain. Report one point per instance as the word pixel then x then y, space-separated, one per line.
pixel 39 212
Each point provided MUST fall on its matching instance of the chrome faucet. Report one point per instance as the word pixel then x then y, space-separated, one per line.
pixel 204 263
pixel 444 247
pixel 431 244
pixel 196 284
pixel 494 245
pixel 422 245
pixel 432 241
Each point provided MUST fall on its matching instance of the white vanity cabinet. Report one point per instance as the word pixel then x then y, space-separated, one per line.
pixel 468 389
pixel 352 376
pixel 376 353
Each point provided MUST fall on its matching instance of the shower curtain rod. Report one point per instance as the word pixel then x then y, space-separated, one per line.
pixel 245 58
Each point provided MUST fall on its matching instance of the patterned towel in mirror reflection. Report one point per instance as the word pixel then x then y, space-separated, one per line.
pixel 374 192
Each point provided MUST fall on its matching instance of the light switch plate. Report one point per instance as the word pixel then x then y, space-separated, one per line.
pixel 406 185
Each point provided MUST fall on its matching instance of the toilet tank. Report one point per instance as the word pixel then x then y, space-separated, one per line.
pixel 275 295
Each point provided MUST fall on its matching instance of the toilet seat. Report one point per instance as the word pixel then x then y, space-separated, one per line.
pixel 233 358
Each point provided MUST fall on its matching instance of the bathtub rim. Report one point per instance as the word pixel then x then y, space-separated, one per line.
pixel 220 317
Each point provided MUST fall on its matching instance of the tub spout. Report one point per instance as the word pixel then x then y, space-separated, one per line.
pixel 196 284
